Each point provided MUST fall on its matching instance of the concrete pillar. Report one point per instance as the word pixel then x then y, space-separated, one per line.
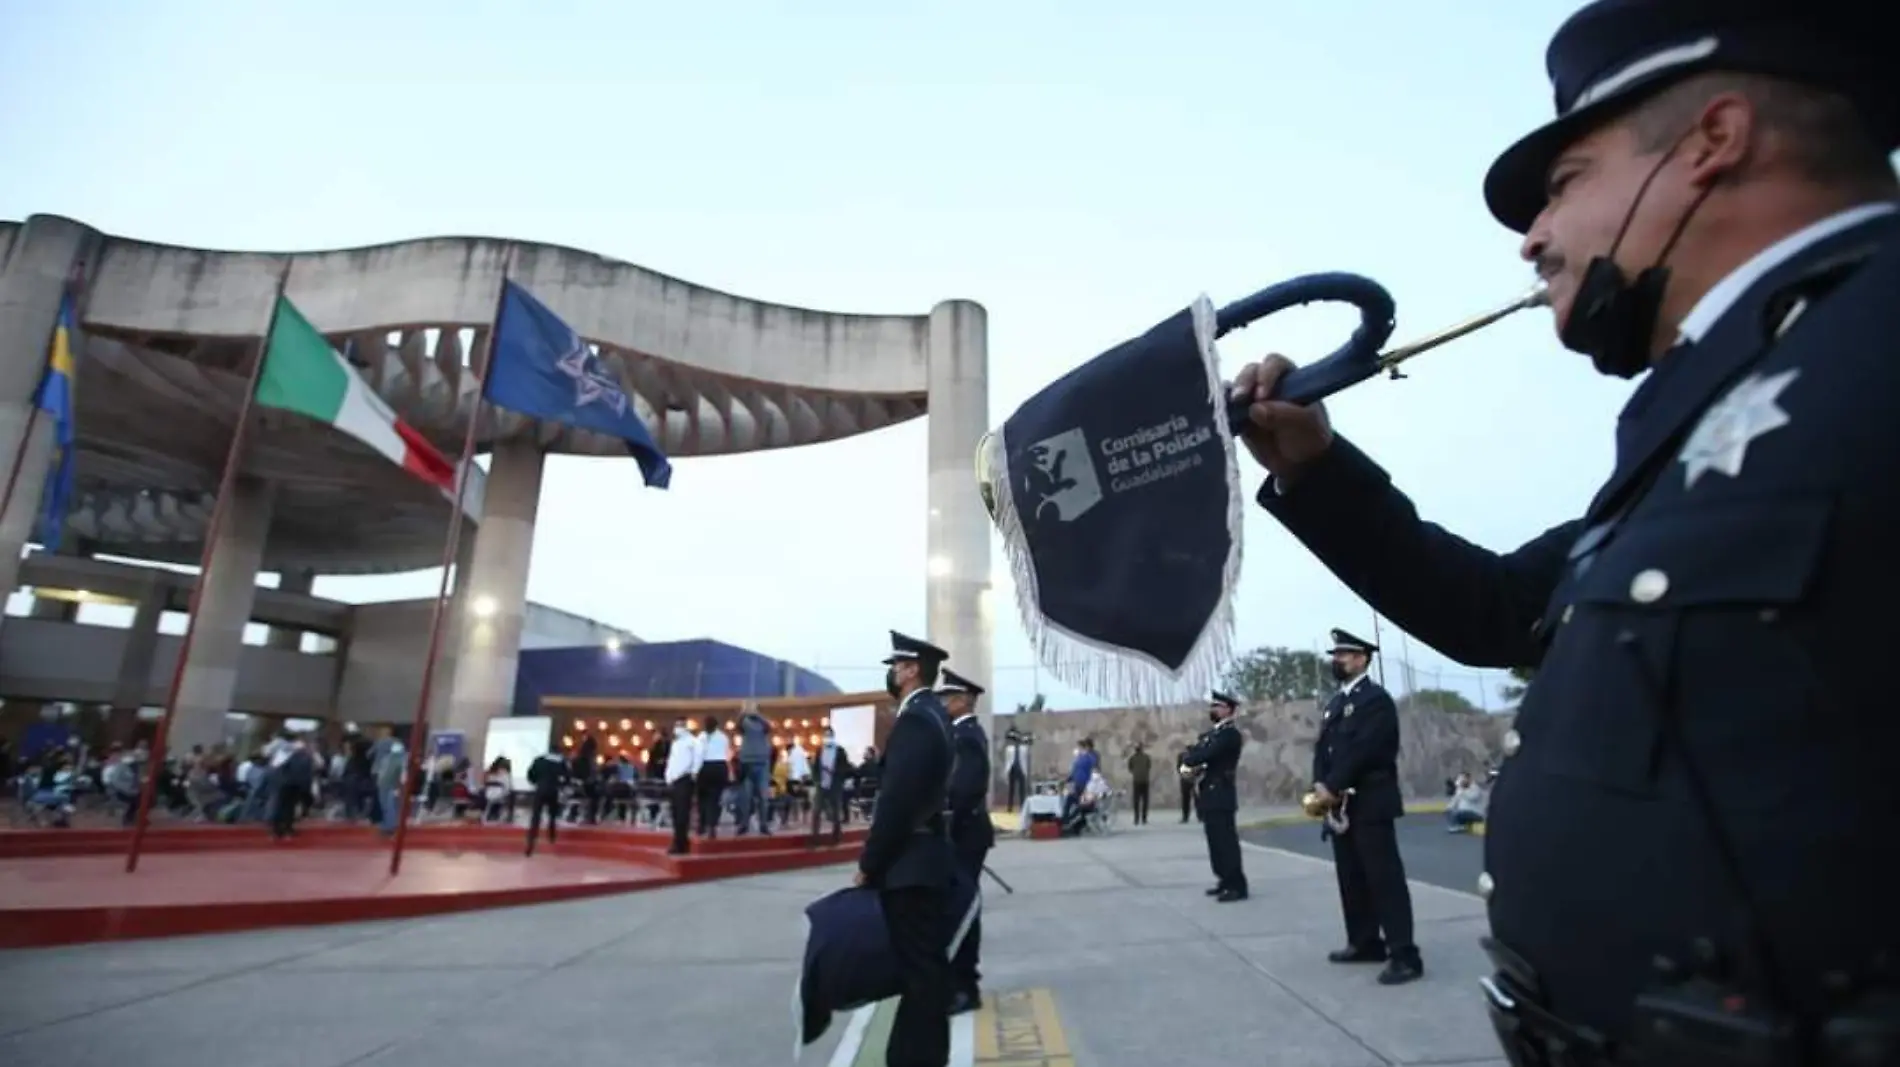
pixel 957 564
pixel 297 581
pixel 46 253
pixel 489 647
pixel 134 685
pixel 224 609
pixel 442 693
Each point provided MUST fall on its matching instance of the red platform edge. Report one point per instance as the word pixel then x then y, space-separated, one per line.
pixel 643 851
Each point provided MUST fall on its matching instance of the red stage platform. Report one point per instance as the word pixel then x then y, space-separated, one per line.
pixel 62 887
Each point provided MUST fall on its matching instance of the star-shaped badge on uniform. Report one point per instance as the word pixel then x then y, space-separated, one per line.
pixel 1720 441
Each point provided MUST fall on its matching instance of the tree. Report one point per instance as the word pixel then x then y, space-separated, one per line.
pixel 1444 700
pixel 1513 691
pixel 1279 675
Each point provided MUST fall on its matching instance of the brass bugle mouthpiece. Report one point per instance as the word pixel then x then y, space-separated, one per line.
pixel 1538 296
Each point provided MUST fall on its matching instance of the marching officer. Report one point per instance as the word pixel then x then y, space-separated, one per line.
pixel 971 831
pixel 1688 856
pixel 907 855
pixel 1216 755
pixel 1356 775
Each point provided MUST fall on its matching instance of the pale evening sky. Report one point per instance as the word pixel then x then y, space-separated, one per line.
pixel 1083 169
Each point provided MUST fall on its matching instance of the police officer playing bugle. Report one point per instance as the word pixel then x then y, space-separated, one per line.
pixel 907 855
pixel 1691 852
pixel 1212 761
pixel 1356 777
pixel 971 831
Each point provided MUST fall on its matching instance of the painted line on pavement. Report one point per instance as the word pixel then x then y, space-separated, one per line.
pixel 1020 1028
pixel 846 1053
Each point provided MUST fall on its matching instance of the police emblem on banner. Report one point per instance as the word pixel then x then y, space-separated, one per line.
pixel 1118 497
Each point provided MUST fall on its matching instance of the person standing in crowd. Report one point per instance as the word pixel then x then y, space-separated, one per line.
pixel 682 767
pixel 1140 766
pixel 1016 769
pixel 586 771
pixel 1217 755
pixel 971 831
pixel 296 777
pixel 755 771
pixel 833 770
pixel 715 772
pixel 547 775
pixel 908 857
pixel 1356 773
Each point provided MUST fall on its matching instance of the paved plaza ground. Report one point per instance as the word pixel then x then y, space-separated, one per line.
pixel 1107 955
pixel 1450 861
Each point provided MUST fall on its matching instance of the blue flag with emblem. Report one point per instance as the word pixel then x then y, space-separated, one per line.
pixel 1118 498
pixel 541 368
pixel 55 401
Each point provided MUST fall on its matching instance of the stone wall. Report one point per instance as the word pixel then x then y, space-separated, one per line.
pixel 1277 764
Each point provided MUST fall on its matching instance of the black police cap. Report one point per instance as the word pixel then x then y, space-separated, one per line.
pixel 1346 641
pixel 1226 699
pixel 905 649
pixel 956 683
pixel 1614 53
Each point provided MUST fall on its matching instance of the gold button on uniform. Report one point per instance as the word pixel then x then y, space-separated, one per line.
pixel 1649 586
pixel 1512 742
pixel 1569 610
pixel 1486 884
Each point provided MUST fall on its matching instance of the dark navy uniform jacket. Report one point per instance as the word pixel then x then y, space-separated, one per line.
pixel 971 829
pixel 1749 594
pixel 1218 751
pixel 908 845
pixel 1358 749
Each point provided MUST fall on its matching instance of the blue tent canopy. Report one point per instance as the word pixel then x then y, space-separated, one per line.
pixel 669 670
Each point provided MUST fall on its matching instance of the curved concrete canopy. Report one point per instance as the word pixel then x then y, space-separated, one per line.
pixel 170 332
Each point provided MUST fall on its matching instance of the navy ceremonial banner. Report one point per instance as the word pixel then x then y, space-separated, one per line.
pixel 1118 498
pixel 848 958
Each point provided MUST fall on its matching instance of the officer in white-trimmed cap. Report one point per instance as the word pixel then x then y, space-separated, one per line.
pixel 1686 861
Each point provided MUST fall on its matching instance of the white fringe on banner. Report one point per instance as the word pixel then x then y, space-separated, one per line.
pixel 1110 671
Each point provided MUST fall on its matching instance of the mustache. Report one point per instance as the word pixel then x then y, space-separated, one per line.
pixel 1549 264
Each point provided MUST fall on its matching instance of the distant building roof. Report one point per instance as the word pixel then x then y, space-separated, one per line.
pixel 669 670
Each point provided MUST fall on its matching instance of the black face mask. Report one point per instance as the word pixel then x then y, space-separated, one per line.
pixel 1213 716
pixel 890 681
pixel 1340 673
pixel 1613 320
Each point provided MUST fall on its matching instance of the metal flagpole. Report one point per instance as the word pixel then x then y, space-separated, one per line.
pixel 218 508
pixel 1378 657
pixel 464 472
pixel 1411 673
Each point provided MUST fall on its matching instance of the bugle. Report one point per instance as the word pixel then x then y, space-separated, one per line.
pixel 1363 356
pixel 1360 357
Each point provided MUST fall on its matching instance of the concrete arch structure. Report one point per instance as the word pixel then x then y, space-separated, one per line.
pixel 169 333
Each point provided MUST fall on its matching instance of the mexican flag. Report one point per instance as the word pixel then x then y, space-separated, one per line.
pixel 302 373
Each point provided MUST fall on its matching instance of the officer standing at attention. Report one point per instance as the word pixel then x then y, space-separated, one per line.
pixel 1687 858
pixel 1356 772
pixel 907 855
pixel 971 831
pixel 1216 756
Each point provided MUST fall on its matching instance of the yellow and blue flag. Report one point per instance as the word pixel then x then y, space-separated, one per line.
pixel 55 400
